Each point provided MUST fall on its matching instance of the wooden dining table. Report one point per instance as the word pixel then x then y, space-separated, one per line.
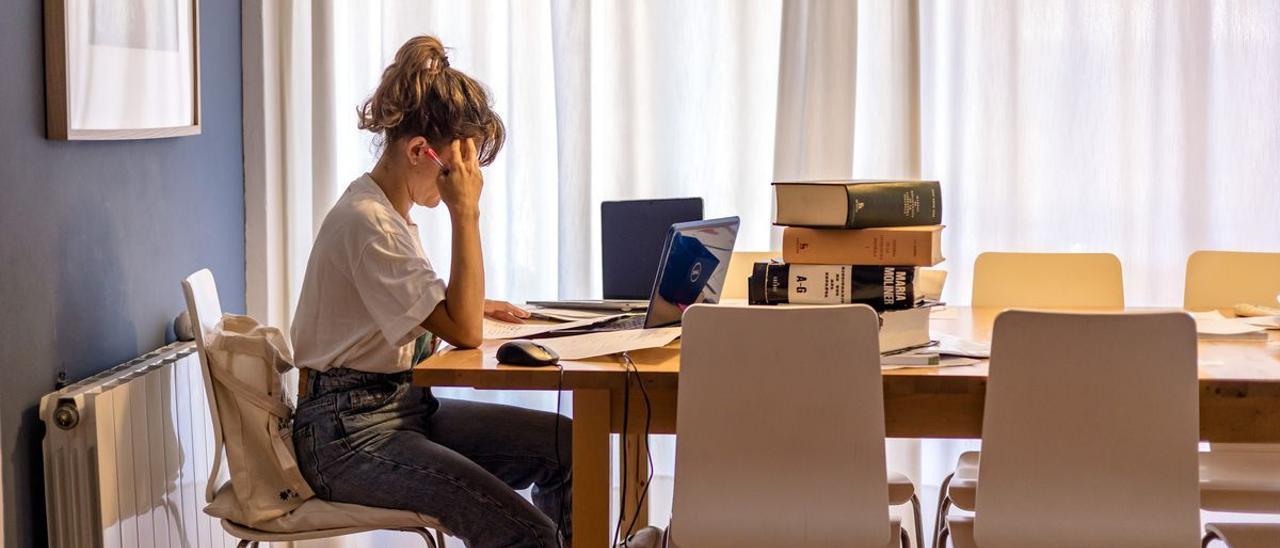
pixel 1239 403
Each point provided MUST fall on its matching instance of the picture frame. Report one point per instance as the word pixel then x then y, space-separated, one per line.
pixel 122 69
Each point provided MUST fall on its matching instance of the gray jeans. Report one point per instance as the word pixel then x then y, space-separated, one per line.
pixel 375 440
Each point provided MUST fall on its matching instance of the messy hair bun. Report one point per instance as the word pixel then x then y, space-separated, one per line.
pixel 420 95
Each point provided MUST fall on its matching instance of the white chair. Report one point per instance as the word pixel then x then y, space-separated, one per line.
pixel 1222 279
pixel 1090 431
pixel 315 518
pixel 1243 535
pixel 901 489
pixel 1048 280
pixel 1235 477
pixel 788 449
pixel 1029 280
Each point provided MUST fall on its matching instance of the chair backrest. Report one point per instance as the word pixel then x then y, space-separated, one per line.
pixel 205 311
pixel 1223 279
pixel 1047 280
pixel 740 263
pixel 1090 430
pixel 781 429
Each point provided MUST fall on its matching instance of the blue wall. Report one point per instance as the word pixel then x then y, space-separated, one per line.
pixel 95 237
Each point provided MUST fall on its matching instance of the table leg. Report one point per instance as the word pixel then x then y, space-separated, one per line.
pixel 636 447
pixel 591 468
pixel 634 458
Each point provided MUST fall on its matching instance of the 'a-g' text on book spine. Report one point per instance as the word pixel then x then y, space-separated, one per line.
pixel 880 287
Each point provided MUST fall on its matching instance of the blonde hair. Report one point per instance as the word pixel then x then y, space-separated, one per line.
pixel 420 95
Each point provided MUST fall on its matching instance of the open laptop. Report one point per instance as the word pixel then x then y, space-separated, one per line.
pixel 631 239
pixel 691 270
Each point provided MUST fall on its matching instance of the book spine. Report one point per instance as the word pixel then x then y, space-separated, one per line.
pixel 880 287
pixel 907 203
pixel 872 246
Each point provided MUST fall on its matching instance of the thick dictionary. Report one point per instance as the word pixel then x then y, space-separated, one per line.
pixel 898 246
pixel 857 203
pixel 880 287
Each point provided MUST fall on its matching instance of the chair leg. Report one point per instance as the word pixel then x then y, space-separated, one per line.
pixel 905 541
pixel 919 521
pixel 244 544
pixel 940 528
pixel 939 521
pixel 425 534
pixel 1208 539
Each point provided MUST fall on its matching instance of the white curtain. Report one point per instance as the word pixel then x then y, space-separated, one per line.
pixel 602 101
pixel 1144 128
pixel 1148 129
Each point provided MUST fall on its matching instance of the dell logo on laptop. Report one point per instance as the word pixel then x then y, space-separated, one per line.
pixel 695 272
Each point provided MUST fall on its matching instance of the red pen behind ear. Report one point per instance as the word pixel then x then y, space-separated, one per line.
pixel 444 170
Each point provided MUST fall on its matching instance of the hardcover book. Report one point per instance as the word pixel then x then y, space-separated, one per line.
pixel 904 328
pixel 857 203
pixel 880 287
pixel 898 246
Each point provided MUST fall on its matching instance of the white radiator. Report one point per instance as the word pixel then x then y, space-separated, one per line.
pixel 126 456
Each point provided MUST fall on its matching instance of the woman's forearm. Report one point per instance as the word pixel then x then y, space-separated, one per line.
pixel 459 319
pixel 465 294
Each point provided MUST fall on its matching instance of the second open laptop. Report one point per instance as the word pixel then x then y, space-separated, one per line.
pixel 631 238
pixel 691 270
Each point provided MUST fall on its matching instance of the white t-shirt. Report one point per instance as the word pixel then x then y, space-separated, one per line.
pixel 367 290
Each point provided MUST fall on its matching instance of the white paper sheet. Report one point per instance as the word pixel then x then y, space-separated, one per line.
pixel 590 345
pixel 1267 322
pixel 494 329
pixel 1214 325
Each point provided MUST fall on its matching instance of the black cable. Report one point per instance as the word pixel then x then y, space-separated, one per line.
pixel 622 451
pixel 648 420
pixel 559 464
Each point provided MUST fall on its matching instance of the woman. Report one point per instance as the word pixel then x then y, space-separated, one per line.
pixel 372 306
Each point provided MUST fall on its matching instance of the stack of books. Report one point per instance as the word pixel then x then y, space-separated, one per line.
pixel 856 241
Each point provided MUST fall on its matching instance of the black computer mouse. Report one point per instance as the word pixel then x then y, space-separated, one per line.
pixel 526 353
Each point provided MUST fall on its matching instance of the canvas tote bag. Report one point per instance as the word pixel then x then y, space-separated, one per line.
pixel 247 362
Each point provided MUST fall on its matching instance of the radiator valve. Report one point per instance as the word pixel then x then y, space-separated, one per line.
pixel 66 416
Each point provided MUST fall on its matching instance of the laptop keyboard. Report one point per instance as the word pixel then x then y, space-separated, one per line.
pixel 622 324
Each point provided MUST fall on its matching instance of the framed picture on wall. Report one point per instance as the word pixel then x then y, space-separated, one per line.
pixel 122 69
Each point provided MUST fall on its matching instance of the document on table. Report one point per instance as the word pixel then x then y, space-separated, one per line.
pixel 590 345
pixel 1213 325
pixel 1267 322
pixel 494 329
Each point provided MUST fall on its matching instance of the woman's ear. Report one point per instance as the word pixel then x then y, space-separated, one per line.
pixel 416 150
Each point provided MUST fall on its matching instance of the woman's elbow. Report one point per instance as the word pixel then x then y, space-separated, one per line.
pixel 466 339
pixel 469 341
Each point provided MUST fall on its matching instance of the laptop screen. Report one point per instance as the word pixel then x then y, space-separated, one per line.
pixel 695 260
pixel 631 240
